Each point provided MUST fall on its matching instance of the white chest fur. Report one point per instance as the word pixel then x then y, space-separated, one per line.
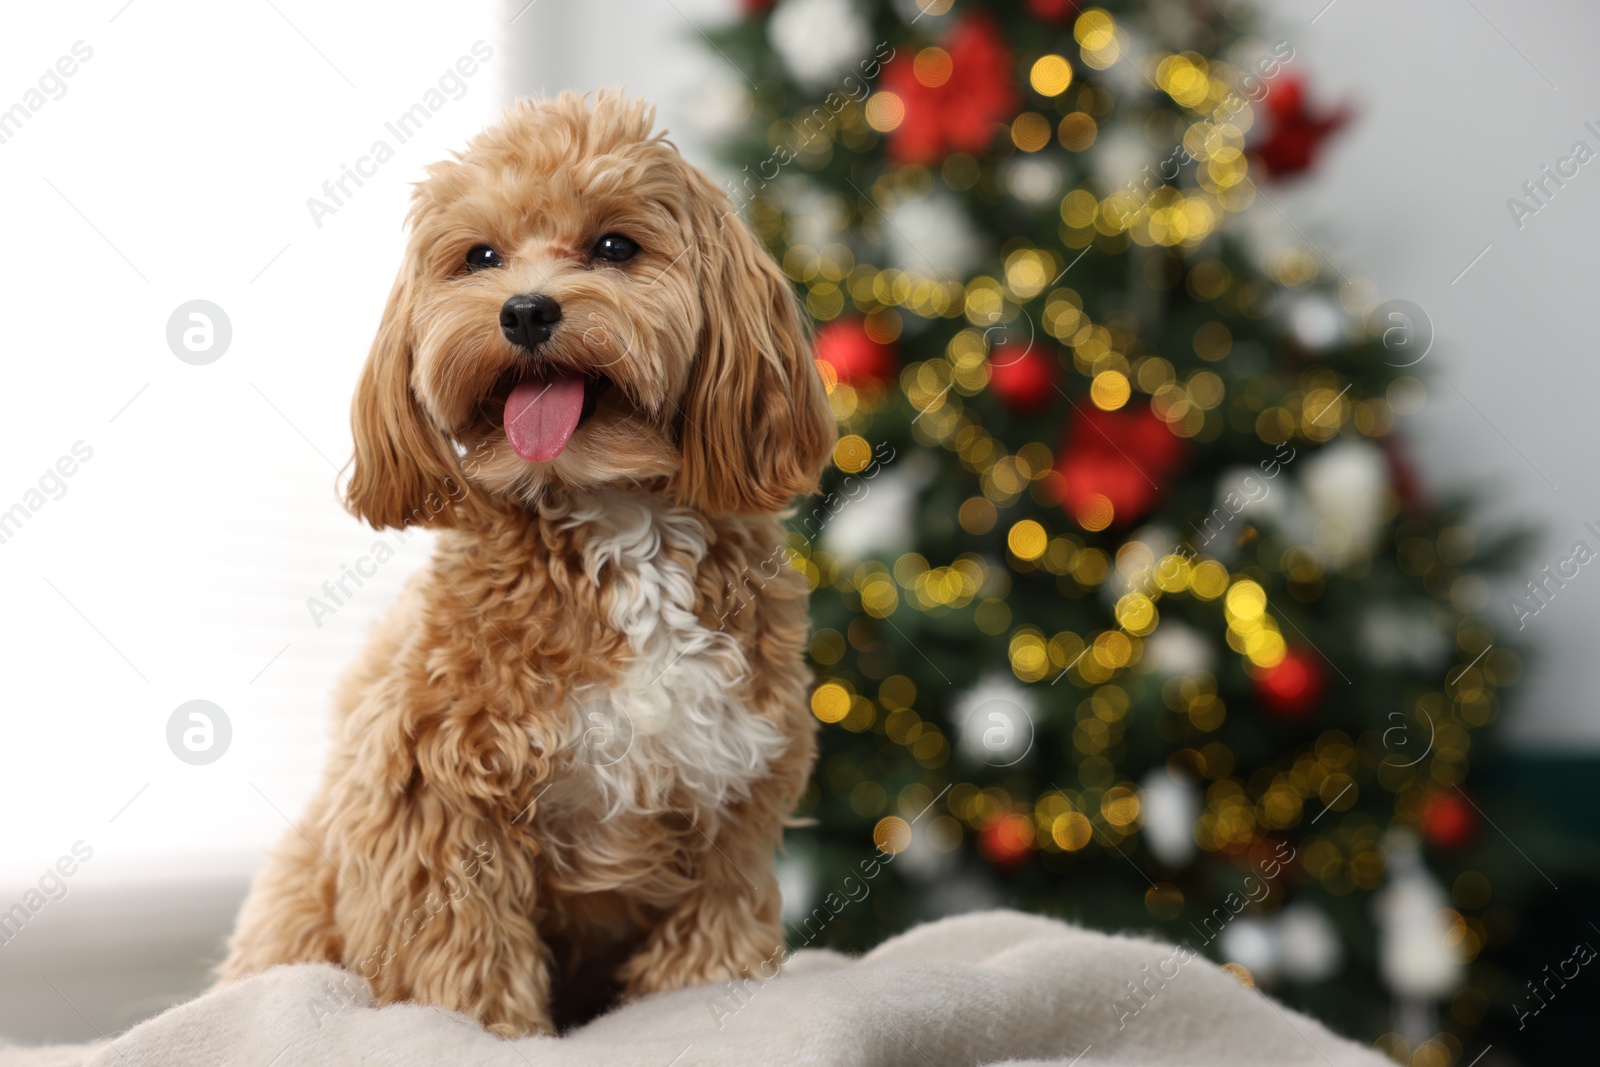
pixel 673 715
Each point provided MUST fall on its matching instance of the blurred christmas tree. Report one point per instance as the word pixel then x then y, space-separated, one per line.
pixel 1128 606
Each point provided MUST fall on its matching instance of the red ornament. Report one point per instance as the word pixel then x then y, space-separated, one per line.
pixel 1007 841
pixel 1448 820
pixel 855 357
pixel 1053 10
pixel 1294 132
pixel 959 113
pixel 1403 474
pixel 1024 376
pixel 1126 456
pixel 1294 686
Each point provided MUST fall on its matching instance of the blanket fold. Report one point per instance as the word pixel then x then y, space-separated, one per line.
pixel 979 989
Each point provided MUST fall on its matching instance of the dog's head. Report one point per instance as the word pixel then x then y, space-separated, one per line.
pixel 579 306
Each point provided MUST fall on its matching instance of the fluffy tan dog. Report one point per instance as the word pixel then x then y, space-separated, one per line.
pixel 570 750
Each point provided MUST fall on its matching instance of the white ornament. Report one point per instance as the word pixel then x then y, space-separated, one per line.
pixel 1346 482
pixel 1240 491
pixel 1298 943
pixel 719 103
pixel 932 236
pixel 1253 944
pixel 1177 648
pixel 1033 180
pixel 1308 943
pixel 876 519
pixel 1121 156
pixel 1244 496
pixel 1288 512
pixel 797 886
pixel 994 721
pixel 819 41
pixel 815 218
pixel 1168 808
pixel 921 860
pixel 1391 636
pixel 1413 957
pixel 1316 321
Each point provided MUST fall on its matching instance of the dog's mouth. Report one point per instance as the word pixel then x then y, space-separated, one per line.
pixel 543 411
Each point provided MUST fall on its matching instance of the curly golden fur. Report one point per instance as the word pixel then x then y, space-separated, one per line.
pixel 569 751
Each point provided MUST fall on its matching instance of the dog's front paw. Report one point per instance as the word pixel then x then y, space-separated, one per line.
pixel 503 1015
pixel 506 1001
pixel 700 960
pixel 504 1007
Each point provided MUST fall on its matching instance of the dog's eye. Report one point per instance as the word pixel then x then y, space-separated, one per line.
pixel 615 248
pixel 482 257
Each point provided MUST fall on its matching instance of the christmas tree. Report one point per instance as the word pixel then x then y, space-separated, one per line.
pixel 1129 608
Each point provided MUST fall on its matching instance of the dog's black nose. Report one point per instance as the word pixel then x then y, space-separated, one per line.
pixel 527 319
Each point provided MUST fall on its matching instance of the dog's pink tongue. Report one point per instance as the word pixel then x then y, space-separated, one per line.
pixel 541 415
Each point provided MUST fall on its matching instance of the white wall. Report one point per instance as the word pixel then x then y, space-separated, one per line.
pixel 178 560
pixel 175 163
pixel 652 48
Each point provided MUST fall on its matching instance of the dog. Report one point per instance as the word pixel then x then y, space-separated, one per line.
pixel 571 748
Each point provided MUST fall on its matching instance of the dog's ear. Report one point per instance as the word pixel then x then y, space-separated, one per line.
pixel 756 427
pixel 404 473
